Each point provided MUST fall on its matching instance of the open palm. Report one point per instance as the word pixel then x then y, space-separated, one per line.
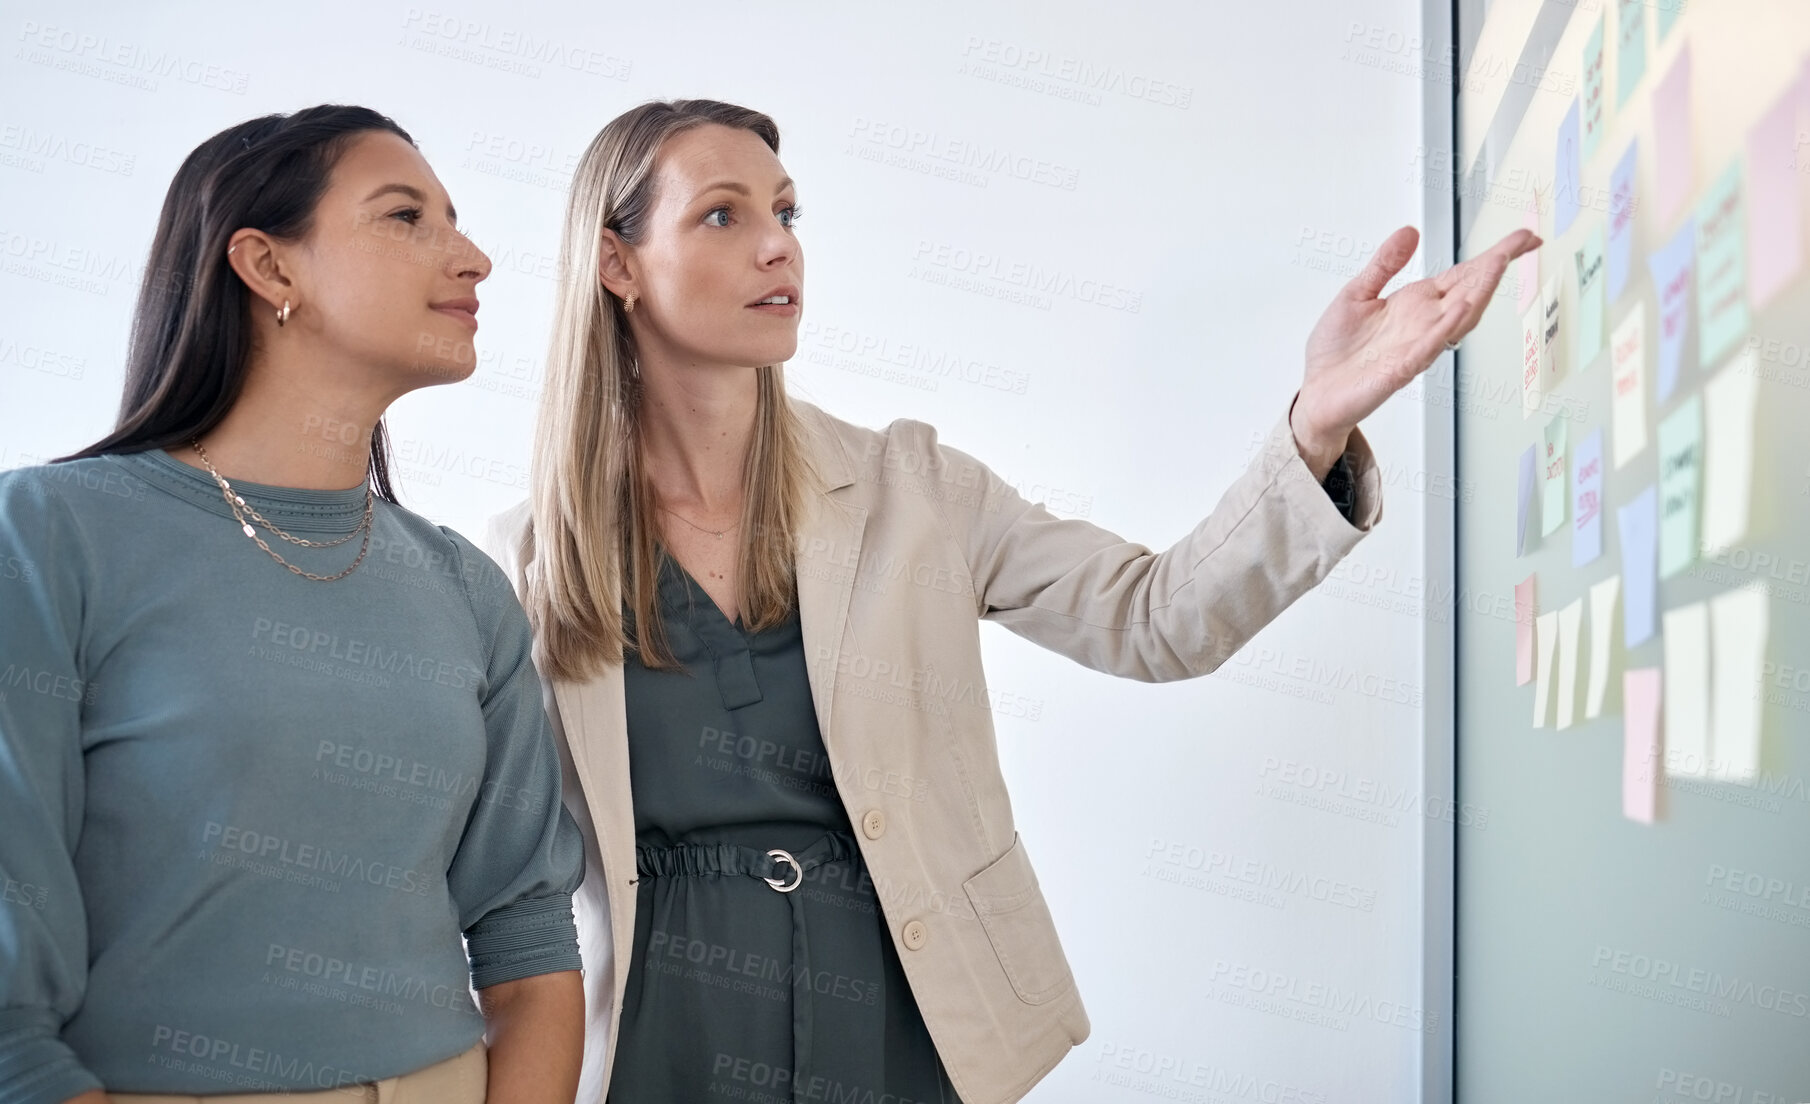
pixel 1366 348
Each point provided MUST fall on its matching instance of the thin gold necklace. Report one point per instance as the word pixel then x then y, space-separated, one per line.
pixel 718 534
pixel 239 507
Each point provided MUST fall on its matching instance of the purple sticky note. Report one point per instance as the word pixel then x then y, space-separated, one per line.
pixel 1567 176
pixel 1621 221
pixel 1638 523
pixel 1671 268
pixel 1524 502
pixel 1774 218
pixel 1587 500
pixel 1672 136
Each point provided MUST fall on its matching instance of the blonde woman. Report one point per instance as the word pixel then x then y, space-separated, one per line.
pixel 803 880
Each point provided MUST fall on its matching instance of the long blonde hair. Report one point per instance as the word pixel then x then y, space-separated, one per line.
pixel 594 526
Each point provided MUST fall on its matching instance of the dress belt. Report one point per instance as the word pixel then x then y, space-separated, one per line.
pixel 784 872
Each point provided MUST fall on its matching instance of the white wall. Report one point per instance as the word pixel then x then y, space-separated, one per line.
pixel 1229 218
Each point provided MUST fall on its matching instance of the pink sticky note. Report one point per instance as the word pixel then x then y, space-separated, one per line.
pixel 1527 268
pixel 1672 136
pixel 1775 247
pixel 1524 612
pixel 1640 743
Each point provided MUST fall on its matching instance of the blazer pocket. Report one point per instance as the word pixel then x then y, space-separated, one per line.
pixel 1011 908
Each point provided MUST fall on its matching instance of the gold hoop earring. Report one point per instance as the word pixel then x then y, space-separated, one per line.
pixel 628 305
pixel 283 315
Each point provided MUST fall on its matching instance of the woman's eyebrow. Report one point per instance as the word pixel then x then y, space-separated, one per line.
pixel 742 189
pixel 413 193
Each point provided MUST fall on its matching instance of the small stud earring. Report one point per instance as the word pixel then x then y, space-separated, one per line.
pixel 283 315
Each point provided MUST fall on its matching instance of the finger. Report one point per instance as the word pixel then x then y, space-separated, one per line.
pixel 1445 329
pixel 1390 258
pixel 1514 245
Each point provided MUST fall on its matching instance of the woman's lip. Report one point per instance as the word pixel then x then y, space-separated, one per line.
pixel 462 315
pixel 785 309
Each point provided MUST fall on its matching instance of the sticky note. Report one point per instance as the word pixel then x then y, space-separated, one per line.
pixel 1721 267
pixel 1640 744
pixel 1671 267
pixel 1524 615
pixel 1552 475
pixel 1533 360
pixel 1775 219
pixel 1669 11
pixel 1567 171
pixel 1628 376
pixel 1680 480
pixel 1527 267
pixel 1587 499
pixel 1524 499
pixel 1620 247
pixel 1571 619
pixel 1672 138
pixel 1630 47
pixel 1593 118
pixel 1729 400
pixel 1687 690
pixel 1602 640
pixel 1550 354
pixel 1546 627
pixel 1638 524
pixel 1738 628
pixel 1588 258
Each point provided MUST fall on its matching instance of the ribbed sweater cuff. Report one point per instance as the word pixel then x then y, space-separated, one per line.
pixel 36 1067
pixel 534 936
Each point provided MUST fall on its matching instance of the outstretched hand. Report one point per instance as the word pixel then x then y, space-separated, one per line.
pixel 1366 348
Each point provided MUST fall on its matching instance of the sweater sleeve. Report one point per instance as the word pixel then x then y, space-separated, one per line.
pixel 43 925
pixel 521 857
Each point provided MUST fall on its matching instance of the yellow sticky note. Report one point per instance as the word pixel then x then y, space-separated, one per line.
pixel 1738 626
pixel 1728 409
pixel 1686 633
pixel 1546 627
pixel 1603 598
pixel 1571 619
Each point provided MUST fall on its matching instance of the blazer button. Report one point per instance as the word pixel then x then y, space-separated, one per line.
pixel 874 824
pixel 915 934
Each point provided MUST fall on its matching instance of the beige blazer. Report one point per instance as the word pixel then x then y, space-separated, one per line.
pixel 908 546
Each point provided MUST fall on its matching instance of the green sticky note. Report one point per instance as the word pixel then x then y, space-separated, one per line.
pixel 1552 475
pixel 1588 258
pixel 1593 120
pixel 1630 47
pixel 1721 267
pixel 1680 475
pixel 1669 11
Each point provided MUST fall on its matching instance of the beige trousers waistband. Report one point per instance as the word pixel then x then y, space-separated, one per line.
pixel 458 1080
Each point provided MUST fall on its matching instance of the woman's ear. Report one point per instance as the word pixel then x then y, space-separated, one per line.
pixel 613 266
pixel 254 256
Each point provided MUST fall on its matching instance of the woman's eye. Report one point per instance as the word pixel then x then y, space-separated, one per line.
pixel 413 214
pixel 789 216
pixel 712 218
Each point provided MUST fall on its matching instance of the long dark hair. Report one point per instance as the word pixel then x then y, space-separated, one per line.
pixel 191 336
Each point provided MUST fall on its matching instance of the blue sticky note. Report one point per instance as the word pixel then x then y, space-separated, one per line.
pixel 1524 501
pixel 1621 221
pixel 1567 176
pixel 1638 523
pixel 1721 267
pixel 1671 268
pixel 1631 47
pixel 1587 500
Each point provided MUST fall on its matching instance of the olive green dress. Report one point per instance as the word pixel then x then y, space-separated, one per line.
pixel 736 990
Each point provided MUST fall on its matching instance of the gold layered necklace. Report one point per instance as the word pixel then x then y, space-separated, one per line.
pixel 240 509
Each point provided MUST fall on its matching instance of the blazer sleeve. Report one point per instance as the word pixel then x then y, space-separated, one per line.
pixel 1118 607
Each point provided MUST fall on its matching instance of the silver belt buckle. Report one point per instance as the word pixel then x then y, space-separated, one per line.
pixel 797 872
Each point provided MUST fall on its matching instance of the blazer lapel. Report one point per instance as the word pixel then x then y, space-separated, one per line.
pixel 828 550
